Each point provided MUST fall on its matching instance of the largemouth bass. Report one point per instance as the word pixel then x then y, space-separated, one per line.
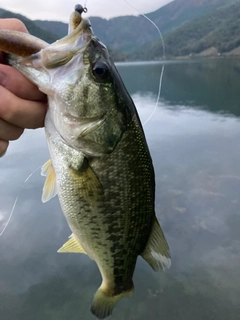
pixel 100 166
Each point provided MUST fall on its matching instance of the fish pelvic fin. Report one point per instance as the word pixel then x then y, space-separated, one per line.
pixel 156 252
pixel 72 245
pixel 104 302
pixel 50 187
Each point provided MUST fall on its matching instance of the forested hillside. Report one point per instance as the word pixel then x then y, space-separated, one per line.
pixel 178 12
pixel 214 34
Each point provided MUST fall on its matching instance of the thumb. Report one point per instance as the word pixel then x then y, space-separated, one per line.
pixel 13 24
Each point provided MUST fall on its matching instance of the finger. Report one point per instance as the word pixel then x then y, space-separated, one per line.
pixel 13 24
pixel 9 131
pixel 21 113
pixel 3 147
pixel 15 82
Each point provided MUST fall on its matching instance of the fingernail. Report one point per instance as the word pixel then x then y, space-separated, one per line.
pixel 3 79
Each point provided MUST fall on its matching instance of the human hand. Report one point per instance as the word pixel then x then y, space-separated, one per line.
pixel 22 105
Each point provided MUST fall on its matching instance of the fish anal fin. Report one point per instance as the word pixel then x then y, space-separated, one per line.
pixel 50 187
pixel 156 252
pixel 72 245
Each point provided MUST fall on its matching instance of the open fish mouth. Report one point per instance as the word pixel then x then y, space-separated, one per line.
pixel 62 51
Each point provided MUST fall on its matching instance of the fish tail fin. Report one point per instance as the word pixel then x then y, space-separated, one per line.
pixel 103 302
pixel 156 252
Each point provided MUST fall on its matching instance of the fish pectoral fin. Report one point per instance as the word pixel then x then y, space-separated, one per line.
pixel 46 168
pixel 156 252
pixel 50 187
pixel 87 180
pixel 72 245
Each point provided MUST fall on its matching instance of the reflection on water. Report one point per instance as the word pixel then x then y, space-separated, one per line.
pixel 194 141
pixel 207 84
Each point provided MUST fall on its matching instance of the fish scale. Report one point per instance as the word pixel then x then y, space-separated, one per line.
pixel 114 204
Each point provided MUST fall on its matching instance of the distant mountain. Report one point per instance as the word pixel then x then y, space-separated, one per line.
pixel 31 26
pixel 219 30
pixel 59 29
pixel 120 34
pixel 178 12
pixel 128 33
pixel 214 34
pixel 188 27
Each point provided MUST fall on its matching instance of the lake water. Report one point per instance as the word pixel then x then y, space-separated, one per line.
pixel 194 139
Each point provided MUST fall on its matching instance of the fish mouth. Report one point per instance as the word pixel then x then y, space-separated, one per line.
pixel 78 37
pixel 62 51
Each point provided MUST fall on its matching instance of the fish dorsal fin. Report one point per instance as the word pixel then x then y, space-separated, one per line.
pixel 156 252
pixel 49 188
pixel 72 245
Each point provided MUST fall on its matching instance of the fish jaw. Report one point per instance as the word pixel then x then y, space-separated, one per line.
pixel 63 50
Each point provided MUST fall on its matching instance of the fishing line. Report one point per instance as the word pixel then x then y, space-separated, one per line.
pixel 16 200
pixel 10 217
pixel 162 71
pixel 85 4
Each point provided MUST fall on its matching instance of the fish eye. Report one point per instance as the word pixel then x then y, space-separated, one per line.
pixel 100 70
